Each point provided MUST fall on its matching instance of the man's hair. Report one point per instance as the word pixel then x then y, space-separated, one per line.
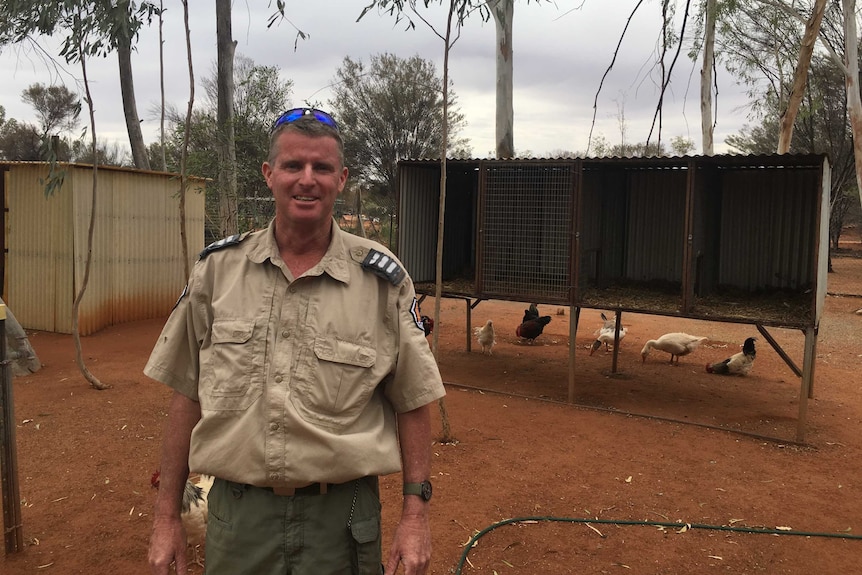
pixel 307 126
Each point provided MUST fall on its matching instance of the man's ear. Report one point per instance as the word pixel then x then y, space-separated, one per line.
pixel 266 170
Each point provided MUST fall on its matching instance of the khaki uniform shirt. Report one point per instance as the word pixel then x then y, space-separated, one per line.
pixel 298 380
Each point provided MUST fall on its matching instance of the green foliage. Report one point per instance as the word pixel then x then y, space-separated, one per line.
pixel 57 107
pixel 388 111
pixel 260 95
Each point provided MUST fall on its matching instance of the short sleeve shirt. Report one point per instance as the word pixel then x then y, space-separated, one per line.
pixel 299 380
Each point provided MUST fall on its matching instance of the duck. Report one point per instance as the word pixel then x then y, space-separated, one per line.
pixel 605 334
pixel 676 344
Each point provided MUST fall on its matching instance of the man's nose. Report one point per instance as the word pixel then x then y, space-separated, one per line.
pixel 306 174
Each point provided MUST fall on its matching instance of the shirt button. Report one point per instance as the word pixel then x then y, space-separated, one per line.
pixel 273 426
pixel 292 289
pixel 278 379
pixel 273 476
pixel 285 334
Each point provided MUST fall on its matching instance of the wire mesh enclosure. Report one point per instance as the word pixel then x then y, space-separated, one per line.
pixel 525 237
pixel 725 238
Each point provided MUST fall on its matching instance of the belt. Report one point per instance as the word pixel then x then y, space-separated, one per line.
pixel 313 489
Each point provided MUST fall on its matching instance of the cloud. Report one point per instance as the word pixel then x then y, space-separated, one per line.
pixel 559 60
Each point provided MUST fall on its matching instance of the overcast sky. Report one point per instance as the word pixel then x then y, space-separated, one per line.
pixel 560 54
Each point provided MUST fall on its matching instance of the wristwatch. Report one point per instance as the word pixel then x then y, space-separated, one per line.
pixel 423 490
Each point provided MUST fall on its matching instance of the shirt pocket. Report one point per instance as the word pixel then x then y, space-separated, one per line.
pixel 230 376
pixel 334 382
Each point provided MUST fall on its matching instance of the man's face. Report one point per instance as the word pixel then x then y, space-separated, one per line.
pixel 305 178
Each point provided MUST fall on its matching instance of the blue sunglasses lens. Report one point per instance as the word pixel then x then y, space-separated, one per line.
pixel 297 113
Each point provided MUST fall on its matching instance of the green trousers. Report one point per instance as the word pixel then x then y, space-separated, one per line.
pixel 252 531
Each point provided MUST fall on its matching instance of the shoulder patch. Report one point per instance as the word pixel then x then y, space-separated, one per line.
pixel 222 243
pixel 379 263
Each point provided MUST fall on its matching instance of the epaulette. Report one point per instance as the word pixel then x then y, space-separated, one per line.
pixel 222 243
pixel 384 266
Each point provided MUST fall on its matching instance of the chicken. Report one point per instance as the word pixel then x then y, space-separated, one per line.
pixel 737 364
pixel 676 344
pixel 193 511
pixel 605 334
pixel 485 336
pixel 531 313
pixel 532 328
pixel 427 324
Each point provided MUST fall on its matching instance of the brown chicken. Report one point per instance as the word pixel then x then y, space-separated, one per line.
pixel 532 328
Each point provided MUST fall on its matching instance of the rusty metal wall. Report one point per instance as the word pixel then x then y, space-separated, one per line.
pixel 768 236
pixel 418 209
pixel 136 270
pixel 39 238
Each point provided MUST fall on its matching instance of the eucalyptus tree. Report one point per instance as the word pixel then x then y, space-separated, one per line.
pixel 57 107
pixel 111 26
pixel 260 95
pixel 407 118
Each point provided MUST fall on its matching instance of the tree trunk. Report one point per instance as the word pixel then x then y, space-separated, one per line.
pixel 446 436
pixel 127 90
pixel 19 351
pixel 184 155
pixel 162 86
pixel 76 305
pixel 360 227
pixel 503 12
pixel 854 102
pixel 706 72
pixel 800 77
pixel 225 120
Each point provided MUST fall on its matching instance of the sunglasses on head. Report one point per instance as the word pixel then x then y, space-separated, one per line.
pixel 293 115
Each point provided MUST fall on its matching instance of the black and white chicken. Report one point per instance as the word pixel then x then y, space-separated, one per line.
pixel 194 510
pixel 737 364
pixel 427 324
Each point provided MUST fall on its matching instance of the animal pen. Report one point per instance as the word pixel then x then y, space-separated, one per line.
pixel 740 239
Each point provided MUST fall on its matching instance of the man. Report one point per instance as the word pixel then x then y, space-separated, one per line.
pixel 300 373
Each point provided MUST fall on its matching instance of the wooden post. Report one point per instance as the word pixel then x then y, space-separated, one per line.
pixel 807 388
pixel 575 315
pixel 12 524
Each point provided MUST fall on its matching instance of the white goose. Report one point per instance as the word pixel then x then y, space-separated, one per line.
pixel 676 344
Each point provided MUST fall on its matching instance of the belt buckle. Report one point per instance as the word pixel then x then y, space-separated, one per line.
pixel 284 491
pixel 310 489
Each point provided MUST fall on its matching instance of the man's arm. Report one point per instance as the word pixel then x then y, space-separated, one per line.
pixel 168 539
pixel 411 545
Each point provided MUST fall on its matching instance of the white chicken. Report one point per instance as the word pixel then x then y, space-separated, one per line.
pixel 737 364
pixel 485 336
pixel 605 334
pixel 676 344
pixel 193 511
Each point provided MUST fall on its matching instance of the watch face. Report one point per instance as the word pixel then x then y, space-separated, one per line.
pixel 426 490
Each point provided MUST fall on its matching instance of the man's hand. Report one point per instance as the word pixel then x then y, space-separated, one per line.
pixel 167 545
pixel 411 545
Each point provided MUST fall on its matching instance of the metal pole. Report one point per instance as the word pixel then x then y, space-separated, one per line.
pixel 12 524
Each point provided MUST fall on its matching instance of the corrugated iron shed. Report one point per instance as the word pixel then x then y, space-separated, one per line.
pixel 136 271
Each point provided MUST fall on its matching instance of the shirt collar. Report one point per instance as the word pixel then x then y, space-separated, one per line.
pixel 333 263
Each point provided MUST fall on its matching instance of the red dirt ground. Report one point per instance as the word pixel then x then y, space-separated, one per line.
pixel 691 448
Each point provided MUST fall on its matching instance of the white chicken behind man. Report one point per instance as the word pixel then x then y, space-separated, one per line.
pixel 485 336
